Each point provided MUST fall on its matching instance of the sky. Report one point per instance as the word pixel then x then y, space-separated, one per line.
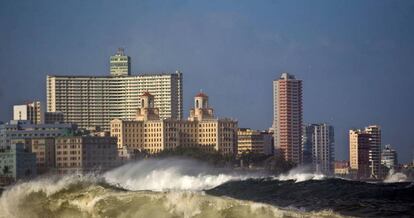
pixel 356 58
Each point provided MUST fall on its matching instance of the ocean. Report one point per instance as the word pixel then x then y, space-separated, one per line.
pixel 186 188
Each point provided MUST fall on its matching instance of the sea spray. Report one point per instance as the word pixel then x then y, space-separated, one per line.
pixel 172 174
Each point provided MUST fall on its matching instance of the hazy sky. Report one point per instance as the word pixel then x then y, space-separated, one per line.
pixel 356 58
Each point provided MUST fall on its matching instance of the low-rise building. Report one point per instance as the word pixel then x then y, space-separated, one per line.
pixel 44 149
pixel 19 129
pixel 85 153
pixel 342 168
pixel 150 134
pixel 253 141
pixel 17 162
pixel 54 117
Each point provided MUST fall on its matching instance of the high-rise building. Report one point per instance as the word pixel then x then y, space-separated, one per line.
pixel 120 64
pixel 31 111
pixel 318 147
pixel 93 101
pixel 365 151
pixel 389 157
pixel 307 132
pixel 359 153
pixel 150 134
pixel 375 150
pixel 323 155
pixel 287 117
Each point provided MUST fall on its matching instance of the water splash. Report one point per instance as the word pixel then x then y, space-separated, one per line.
pixel 171 174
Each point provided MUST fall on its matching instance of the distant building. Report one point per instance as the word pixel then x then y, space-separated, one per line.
pixel 375 150
pixel 323 144
pixel 120 64
pixel 93 101
pixel 25 130
pixel 54 117
pixel 44 149
pixel 359 153
pixel 318 145
pixel 287 117
pixel 389 157
pixel 17 162
pixel 342 168
pixel 150 134
pixel 32 112
pixel 307 133
pixel 253 141
pixel 85 153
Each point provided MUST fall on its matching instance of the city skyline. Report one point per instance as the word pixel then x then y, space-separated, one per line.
pixel 344 84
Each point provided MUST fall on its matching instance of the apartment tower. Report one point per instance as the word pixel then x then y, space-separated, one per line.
pixel 287 117
pixel 365 151
pixel 93 101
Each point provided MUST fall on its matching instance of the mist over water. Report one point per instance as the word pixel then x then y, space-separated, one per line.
pixel 176 187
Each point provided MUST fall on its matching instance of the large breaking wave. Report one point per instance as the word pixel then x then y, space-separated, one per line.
pixel 168 188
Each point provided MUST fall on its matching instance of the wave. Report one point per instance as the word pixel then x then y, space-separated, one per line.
pixel 300 174
pixel 393 177
pixel 186 188
pixel 90 196
pixel 172 174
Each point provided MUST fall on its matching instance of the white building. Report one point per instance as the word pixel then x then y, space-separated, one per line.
pixel 31 111
pixel 93 101
pixel 323 148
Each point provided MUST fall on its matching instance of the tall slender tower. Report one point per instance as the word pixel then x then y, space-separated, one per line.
pixel 120 64
pixel 287 117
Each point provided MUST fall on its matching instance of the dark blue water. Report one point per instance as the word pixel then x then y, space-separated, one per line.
pixel 350 198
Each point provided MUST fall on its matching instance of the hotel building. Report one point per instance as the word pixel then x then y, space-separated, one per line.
pixel 151 134
pixel 287 117
pixel 93 101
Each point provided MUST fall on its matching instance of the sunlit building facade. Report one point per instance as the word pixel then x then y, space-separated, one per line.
pixel 148 133
pixel 287 117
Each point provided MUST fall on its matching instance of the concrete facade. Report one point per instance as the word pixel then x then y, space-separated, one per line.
pixel 32 112
pixel 150 134
pixel 93 101
pixel 17 162
pixel 287 117
pixel 85 153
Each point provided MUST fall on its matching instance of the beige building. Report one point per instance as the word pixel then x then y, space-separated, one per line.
pixel 253 141
pixel 93 101
pixel 151 134
pixel 359 153
pixel 365 152
pixel 85 153
pixel 287 117
pixel 31 111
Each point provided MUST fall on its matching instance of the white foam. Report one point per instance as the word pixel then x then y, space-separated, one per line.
pixel 395 177
pixel 169 174
pixel 300 174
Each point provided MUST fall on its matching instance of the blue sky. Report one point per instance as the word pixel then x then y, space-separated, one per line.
pixel 356 58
